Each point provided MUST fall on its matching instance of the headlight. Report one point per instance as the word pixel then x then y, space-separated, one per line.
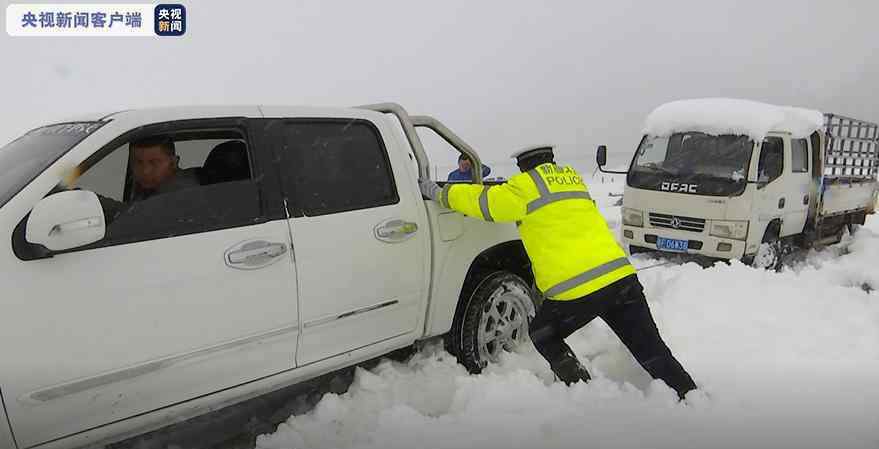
pixel 633 217
pixel 730 229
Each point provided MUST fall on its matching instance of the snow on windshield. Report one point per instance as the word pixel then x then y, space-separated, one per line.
pixel 718 116
pixel 788 360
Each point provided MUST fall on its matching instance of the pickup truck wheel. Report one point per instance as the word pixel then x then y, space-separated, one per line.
pixel 494 320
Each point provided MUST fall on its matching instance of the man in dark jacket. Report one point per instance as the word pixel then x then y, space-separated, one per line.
pixel 155 165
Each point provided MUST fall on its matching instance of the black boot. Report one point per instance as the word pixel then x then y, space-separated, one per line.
pixel 569 370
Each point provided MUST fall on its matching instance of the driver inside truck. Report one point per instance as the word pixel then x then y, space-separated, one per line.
pixel 154 165
pixel 156 168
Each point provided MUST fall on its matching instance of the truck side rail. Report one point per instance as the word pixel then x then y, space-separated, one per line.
pixel 409 123
pixel 851 150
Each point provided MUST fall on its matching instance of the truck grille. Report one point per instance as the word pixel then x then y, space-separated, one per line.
pixel 677 222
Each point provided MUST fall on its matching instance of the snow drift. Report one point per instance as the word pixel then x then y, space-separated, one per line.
pixel 783 360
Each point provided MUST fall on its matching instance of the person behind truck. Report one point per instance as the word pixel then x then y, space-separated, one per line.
pixel 465 168
pixel 578 265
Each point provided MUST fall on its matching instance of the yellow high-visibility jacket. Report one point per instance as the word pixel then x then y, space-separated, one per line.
pixel 572 251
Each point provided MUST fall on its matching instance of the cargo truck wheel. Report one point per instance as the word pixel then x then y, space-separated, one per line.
pixel 852 228
pixel 494 319
pixel 771 251
pixel 768 256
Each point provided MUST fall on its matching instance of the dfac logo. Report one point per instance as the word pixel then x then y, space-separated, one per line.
pixel 675 222
pixel 678 187
pixel 170 20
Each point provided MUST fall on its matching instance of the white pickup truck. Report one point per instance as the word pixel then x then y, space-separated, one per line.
pixel 305 247
pixel 739 179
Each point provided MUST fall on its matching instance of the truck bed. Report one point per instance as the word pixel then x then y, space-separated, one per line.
pixel 851 164
pixel 840 197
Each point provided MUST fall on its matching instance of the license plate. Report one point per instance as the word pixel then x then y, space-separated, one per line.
pixel 674 245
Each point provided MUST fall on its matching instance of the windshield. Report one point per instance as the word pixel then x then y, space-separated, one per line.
pixel 692 162
pixel 25 158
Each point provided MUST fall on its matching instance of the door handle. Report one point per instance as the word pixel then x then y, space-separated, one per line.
pixel 781 203
pixel 254 254
pixel 806 200
pixel 396 230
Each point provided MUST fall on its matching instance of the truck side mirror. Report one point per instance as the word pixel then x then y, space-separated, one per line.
pixel 66 220
pixel 601 155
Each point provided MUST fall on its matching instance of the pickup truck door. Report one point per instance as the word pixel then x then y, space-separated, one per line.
pixel 359 231
pixel 190 292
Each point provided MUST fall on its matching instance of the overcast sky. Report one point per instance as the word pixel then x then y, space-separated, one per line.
pixel 502 74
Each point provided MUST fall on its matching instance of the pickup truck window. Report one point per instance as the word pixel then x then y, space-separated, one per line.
pixel 211 188
pixel 771 164
pixel 799 156
pixel 26 157
pixel 336 166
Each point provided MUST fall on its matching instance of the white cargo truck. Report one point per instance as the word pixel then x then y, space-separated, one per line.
pixel 736 179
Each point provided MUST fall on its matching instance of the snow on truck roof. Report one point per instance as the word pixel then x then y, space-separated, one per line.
pixel 717 116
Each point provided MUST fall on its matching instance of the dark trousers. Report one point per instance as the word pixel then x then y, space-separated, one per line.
pixel 623 307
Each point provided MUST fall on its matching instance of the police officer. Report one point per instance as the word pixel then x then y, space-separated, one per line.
pixel 578 265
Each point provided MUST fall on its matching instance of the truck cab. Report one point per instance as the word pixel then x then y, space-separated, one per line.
pixel 713 186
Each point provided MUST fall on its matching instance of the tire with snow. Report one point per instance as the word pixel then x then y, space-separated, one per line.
pixel 768 256
pixel 493 319
pixel 771 253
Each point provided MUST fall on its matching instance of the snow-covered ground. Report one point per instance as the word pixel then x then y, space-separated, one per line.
pixel 784 360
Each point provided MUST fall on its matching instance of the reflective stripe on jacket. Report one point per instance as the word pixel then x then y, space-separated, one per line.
pixel 572 251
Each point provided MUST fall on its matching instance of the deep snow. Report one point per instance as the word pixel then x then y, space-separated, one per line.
pixel 787 360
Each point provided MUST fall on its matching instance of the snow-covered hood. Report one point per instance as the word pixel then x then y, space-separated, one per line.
pixel 718 116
